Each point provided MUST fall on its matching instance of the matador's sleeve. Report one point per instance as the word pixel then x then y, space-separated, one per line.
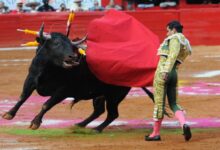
pixel 174 49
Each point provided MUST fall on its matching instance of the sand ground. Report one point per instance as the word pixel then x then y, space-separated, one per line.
pixel 204 59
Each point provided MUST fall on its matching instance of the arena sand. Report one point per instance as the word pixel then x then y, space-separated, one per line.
pixel 199 94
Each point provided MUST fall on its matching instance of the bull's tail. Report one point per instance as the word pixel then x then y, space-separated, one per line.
pixel 149 93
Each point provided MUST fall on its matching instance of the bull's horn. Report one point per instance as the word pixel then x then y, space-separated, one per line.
pixel 82 46
pixel 46 36
pixel 42 34
pixel 80 41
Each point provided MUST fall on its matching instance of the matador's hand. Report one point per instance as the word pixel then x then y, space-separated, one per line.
pixel 164 76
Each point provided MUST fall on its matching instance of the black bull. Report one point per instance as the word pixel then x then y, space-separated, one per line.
pixel 49 76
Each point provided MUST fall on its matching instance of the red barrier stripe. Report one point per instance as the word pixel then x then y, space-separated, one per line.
pixel 201 25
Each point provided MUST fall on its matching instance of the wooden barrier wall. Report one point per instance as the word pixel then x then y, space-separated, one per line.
pixel 201 25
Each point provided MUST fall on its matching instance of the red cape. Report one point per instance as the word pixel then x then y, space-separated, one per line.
pixel 122 51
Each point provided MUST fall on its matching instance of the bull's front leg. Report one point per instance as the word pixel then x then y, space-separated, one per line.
pixel 28 88
pixel 55 99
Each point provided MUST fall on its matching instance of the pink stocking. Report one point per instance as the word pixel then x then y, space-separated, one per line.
pixel 156 129
pixel 180 116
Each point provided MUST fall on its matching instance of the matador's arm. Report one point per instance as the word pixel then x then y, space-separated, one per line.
pixel 174 49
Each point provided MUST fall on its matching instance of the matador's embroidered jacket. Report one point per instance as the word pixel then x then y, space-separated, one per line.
pixel 175 48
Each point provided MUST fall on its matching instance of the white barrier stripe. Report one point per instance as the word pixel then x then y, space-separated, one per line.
pixel 15 60
pixel 6 65
pixel 207 74
pixel 17 48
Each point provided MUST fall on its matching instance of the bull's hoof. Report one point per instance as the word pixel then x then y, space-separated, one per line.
pixel 34 126
pixel 81 130
pixel 76 128
pixel 7 116
pixel 97 130
pixel 80 125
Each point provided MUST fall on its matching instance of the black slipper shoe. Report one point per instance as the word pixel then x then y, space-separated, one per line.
pixel 155 138
pixel 187 132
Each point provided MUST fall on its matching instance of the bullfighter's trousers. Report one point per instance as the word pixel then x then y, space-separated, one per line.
pixel 164 88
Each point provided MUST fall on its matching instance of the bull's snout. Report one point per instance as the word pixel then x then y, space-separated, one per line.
pixel 71 61
pixel 74 57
